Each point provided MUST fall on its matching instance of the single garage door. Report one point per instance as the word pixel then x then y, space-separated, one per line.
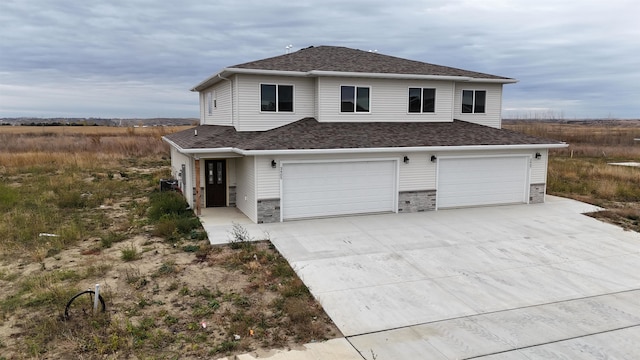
pixel 482 181
pixel 337 188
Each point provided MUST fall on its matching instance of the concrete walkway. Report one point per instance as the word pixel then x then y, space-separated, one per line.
pixel 510 282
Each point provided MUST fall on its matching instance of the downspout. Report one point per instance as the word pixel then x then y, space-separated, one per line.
pixel 233 116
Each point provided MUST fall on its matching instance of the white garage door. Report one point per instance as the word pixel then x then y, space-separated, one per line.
pixel 337 188
pixel 482 181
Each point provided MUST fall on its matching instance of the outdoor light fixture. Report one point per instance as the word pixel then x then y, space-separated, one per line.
pixel 273 164
pixel 433 158
pixel 406 159
pixel 538 156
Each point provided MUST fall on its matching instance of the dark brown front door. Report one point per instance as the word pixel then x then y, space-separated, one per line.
pixel 216 180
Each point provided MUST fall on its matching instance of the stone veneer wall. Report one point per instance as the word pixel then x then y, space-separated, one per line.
pixel 268 211
pixel 416 201
pixel 536 193
pixel 232 196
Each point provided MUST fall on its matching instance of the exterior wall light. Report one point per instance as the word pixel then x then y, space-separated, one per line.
pixel 273 164
pixel 406 159
pixel 433 158
pixel 538 155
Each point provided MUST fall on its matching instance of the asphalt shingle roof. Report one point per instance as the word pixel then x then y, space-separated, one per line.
pixel 342 59
pixel 308 133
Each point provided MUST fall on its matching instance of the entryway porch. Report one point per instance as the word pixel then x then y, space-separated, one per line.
pixel 218 223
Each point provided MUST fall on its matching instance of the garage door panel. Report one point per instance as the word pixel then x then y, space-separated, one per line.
pixel 337 188
pixel 482 181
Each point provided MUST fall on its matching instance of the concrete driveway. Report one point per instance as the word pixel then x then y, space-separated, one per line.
pixel 511 282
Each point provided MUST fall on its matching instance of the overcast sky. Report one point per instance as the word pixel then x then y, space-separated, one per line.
pixel 139 58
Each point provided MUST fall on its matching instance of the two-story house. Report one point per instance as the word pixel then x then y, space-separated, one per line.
pixel 327 131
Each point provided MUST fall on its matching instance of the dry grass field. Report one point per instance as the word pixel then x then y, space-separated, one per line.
pixel 582 171
pixel 168 293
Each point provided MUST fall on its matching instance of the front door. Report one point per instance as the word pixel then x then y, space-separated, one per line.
pixel 216 180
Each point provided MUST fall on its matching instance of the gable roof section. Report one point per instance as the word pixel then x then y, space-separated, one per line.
pixel 342 61
pixel 309 134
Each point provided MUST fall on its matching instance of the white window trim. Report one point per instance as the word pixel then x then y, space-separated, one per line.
pixel 293 98
pixel 435 97
pixel 355 94
pixel 473 105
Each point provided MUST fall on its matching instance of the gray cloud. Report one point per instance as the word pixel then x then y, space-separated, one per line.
pixel 139 58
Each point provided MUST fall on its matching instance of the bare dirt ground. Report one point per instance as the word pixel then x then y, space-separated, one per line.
pixel 166 297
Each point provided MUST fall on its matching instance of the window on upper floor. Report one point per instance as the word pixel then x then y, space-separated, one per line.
pixel 422 100
pixel 355 99
pixel 276 98
pixel 474 101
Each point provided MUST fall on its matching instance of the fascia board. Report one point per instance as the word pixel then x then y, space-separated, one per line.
pixel 318 73
pixel 402 149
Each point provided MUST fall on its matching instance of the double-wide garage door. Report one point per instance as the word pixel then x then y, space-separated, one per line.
pixel 482 181
pixel 338 188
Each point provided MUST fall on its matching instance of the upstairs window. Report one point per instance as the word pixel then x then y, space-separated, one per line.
pixel 354 99
pixel 422 100
pixel 211 102
pixel 276 98
pixel 474 101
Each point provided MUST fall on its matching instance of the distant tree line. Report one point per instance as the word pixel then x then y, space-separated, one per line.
pixel 56 124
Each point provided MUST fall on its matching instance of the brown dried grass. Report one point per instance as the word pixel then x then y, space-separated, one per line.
pixel 582 171
pixel 78 146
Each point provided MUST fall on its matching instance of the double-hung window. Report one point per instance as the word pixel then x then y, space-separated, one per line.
pixel 474 101
pixel 276 98
pixel 355 99
pixel 422 100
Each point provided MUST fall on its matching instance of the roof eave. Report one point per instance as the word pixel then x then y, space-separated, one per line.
pixel 215 78
pixel 364 150
pixel 409 76
pixel 212 80
pixel 403 149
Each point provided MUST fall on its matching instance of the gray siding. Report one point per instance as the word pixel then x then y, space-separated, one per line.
pixel 245 189
pixel 222 113
pixel 250 118
pixel 177 160
pixel 539 167
pixel 493 111
pixel 389 100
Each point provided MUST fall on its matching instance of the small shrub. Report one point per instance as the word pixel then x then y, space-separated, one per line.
pixel 198 235
pixel 166 227
pixel 170 320
pixel 240 237
pixel 112 237
pixel 173 286
pixel 294 288
pixel 71 200
pixel 130 253
pixel 298 310
pixel 167 203
pixel 184 291
pixel 185 225
pixel 224 347
pixel 191 248
pixel 168 267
